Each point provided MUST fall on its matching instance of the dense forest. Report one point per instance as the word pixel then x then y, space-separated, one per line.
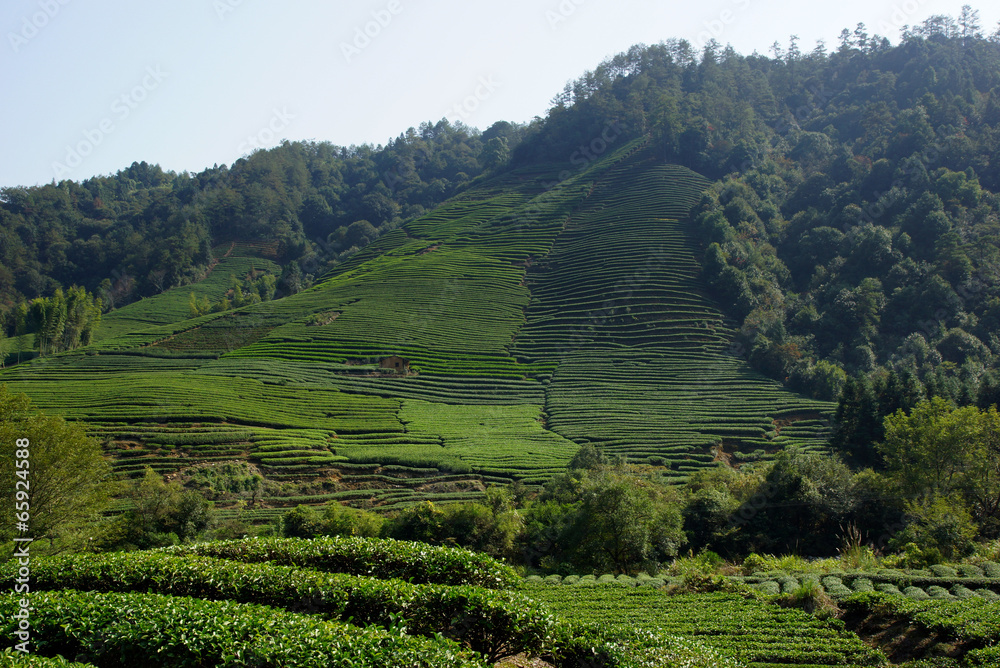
pixel 143 230
pixel 852 232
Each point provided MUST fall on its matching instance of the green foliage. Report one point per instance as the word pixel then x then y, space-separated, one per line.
pixel 588 458
pixel 152 230
pixel 811 597
pixel 334 519
pixel 607 519
pixel 974 619
pixel 157 513
pixel 610 645
pixel 626 523
pixel 491 622
pixel 492 527
pixel 950 455
pixel 14 659
pixel 290 383
pixel 65 481
pixel 64 321
pixel 148 629
pixel 746 628
pixel 703 564
pixel 799 503
pixel 226 481
pixel 939 528
pixel 382 558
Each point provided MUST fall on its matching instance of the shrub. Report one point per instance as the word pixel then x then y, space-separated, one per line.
pixel 154 630
pixel 335 519
pixel 705 563
pixel 15 659
pixel 754 563
pixel 888 589
pixel 788 584
pixel 835 587
pixel 376 557
pixel 992 569
pixel 970 571
pixel 862 584
pixel 942 571
pixel 653 582
pixel 987 657
pixel 769 587
pixel 809 596
pixel 495 623
pixel 962 592
pixel 939 593
pixel 602 646
pixel 940 529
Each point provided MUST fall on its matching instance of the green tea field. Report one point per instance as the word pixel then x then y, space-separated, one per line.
pixel 534 315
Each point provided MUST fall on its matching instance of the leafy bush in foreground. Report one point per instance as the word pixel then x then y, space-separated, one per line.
pixel 374 557
pixel 14 659
pixel 127 630
pixel 495 623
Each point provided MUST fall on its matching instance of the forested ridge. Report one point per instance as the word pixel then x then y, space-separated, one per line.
pixel 144 230
pixel 852 231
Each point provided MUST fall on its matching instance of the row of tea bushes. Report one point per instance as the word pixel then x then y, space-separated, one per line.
pixel 124 630
pixel 494 623
pixel 418 563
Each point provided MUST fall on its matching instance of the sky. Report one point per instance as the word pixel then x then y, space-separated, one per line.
pixel 88 88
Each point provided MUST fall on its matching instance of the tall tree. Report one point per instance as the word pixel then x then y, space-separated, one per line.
pixel 66 477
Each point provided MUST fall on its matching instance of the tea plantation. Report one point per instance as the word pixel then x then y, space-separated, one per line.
pixel 536 315
pixel 343 602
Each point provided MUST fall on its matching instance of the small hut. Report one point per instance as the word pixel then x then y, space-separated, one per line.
pixel 395 363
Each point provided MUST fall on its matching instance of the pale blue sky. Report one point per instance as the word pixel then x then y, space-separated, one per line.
pixel 190 83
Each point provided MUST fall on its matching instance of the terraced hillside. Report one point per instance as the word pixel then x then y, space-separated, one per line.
pixel 173 305
pixel 644 365
pixel 536 313
pixel 758 634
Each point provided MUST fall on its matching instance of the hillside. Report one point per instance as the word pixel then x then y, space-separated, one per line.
pixel 694 259
pixel 533 319
pixel 701 369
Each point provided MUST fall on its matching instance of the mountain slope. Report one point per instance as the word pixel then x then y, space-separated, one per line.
pixel 536 313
